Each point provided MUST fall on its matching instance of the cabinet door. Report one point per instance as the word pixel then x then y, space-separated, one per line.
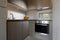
pixel 3 3
pixel 3 13
pixel 32 28
pixel 2 23
pixel 15 30
pixel 25 29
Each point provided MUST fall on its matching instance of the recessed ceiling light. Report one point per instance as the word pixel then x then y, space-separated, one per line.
pixel 43 34
pixel 46 14
pixel 45 7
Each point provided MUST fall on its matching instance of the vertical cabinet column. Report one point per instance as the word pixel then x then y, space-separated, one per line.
pixel 2 23
pixel 3 14
pixel 56 20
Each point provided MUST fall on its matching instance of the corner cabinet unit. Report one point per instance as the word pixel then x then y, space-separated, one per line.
pixel 3 3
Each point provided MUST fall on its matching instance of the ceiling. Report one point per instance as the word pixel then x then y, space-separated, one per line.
pixel 36 4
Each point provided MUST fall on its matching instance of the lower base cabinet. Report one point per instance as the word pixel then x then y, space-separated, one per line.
pixel 17 30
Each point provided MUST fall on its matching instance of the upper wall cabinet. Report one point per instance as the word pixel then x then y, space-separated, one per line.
pixel 3 3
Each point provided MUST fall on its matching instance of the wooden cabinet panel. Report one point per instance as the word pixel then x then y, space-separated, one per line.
pixel 2 23
pixel 17 30
pixel 3 3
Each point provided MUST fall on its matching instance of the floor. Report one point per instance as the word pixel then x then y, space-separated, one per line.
pixel 31 38
pixel 38 36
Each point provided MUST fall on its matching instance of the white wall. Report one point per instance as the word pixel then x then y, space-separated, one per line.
pixel 16 15
pixel 56 19
pixel 34 14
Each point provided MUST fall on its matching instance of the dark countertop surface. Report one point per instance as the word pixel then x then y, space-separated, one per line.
pixel 29 20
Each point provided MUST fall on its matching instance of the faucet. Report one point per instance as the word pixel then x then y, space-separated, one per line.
pixel 12 16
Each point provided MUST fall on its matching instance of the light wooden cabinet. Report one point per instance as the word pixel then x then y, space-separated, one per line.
pixel 3 3
pixel 3 13
pixel 2 23
pixel 17 30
